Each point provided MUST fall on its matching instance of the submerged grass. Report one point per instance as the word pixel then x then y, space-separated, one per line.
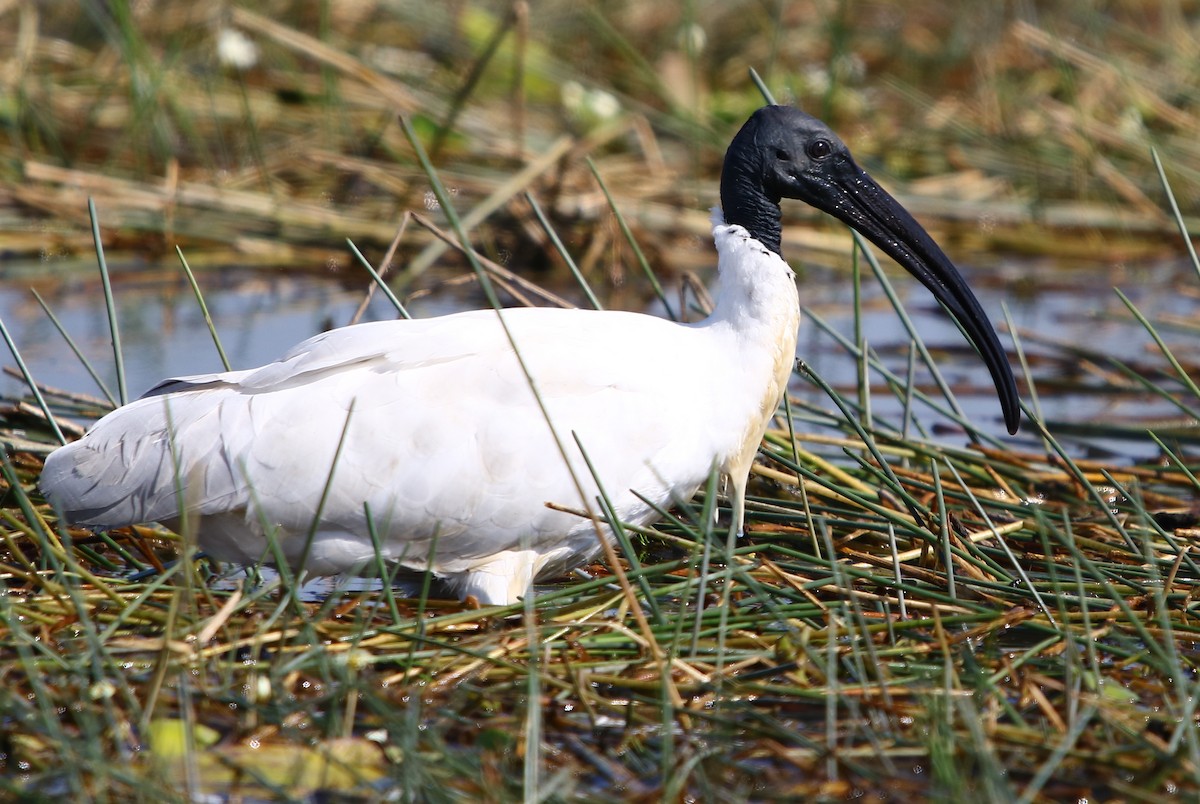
pixel 905 619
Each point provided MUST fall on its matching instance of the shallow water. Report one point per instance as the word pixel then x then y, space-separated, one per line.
pixel 259 314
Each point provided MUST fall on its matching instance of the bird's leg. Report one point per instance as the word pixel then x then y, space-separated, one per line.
pixel 737 501
pixel 501 580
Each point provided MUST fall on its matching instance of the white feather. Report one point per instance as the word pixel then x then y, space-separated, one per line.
pixel 444 440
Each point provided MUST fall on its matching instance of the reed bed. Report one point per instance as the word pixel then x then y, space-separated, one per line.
pixel 918 611
pixel 903 618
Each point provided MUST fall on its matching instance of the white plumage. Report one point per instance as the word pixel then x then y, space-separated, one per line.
pixel 444 441
pixel 444 436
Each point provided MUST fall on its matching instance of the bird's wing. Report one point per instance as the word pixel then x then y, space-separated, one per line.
pixel 439 432
pixel 446 440
pixel 194 431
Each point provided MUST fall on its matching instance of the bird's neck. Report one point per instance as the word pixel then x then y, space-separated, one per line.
pixel 745 203
pixel 755 321
pixel 757 288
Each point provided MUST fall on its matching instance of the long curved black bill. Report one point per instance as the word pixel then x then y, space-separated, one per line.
pixel 856 199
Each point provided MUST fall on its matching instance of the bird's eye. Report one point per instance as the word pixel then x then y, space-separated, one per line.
pixel 782 155
pixel 819 149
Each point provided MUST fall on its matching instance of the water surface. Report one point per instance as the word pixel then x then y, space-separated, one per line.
pixel 259 314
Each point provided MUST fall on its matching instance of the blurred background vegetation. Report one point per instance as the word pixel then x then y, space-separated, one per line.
pixel 267 133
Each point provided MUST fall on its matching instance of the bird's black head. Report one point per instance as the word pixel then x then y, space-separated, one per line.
pixel 781 152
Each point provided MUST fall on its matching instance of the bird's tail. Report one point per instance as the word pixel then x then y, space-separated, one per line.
pixel 131 467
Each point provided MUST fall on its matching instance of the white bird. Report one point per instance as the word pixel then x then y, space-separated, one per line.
pixel 442 439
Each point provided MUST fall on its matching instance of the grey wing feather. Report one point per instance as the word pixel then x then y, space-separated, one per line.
pixel 125 471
